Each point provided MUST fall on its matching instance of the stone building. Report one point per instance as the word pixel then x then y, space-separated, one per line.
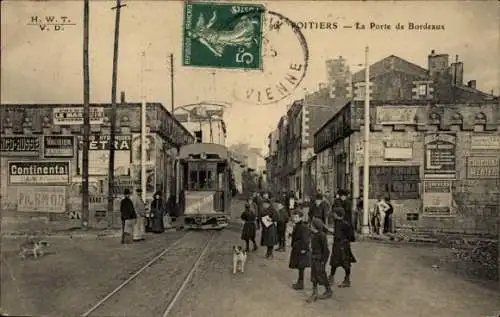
pixel 41 156
pixel 434 145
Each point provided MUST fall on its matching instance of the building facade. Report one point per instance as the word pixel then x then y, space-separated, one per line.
pixel 41 156
pixel 205 121
pixel 434 145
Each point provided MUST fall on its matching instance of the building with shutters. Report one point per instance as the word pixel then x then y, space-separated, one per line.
pixel 434 145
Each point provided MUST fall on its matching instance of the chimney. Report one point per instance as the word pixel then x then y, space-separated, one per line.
pixel 471 84
pixel 457 73
pixel 122 97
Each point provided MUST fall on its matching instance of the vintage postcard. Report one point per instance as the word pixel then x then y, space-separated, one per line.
pixel 349 150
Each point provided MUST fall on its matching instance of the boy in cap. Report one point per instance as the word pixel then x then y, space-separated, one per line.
pixel 319 257
pixel 341 250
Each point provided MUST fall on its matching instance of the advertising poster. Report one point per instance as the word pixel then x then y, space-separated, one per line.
pixel 58 146
pixel 48 199
pixel 150 146
pixel 99 155
pixel 74 115
pixel 437 197
pixel 150 178
pixel 486 167
pixel 20 145
pixel 440 156
pixel 39 172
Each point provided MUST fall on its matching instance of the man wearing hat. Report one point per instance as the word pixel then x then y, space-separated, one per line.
pixel 347 205
pixel 341 250
pixel 300 254
pixel 269 236
pixel 318 209
pixel 319 257
pixel 128 216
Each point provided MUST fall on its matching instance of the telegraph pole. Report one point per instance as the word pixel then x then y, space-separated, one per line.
pixel 111 170
pixel 172 83
pixel 86 116
pixel 365 229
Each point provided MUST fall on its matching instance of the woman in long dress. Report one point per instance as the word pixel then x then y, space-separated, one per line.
pixel 157 211
pixel 140 209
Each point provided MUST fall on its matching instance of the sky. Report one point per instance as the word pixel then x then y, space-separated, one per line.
pixel 46 66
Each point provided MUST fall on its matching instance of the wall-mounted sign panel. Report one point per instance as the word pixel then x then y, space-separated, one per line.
pixel 20 146
pixel 39 172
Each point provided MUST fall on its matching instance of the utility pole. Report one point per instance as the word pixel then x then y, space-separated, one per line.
pixel 143 127
pixel 365 229
pixel 86 116
pixel 111 170
pixel 172 83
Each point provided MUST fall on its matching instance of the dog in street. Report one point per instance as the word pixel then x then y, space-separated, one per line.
pixel 239 259
pixel 34 247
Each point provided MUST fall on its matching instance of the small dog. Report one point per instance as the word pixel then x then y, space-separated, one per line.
pixel 239 259
pixel 32 246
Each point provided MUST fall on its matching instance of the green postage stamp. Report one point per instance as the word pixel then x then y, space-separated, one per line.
pixel 223 35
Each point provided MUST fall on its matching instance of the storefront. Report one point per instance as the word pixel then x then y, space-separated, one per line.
pixel 41 157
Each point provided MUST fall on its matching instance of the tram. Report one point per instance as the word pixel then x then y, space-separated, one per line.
pixel 204 186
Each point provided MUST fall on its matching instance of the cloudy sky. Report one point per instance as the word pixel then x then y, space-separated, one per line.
pixel 46 66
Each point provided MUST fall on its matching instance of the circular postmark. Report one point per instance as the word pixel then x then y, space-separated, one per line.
pixel 285 57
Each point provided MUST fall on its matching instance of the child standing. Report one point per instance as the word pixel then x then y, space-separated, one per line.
pixel 319 257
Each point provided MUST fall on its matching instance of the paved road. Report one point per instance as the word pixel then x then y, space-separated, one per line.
pixel 389 280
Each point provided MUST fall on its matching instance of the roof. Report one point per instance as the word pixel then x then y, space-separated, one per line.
pixel 207 148
pixel 389 64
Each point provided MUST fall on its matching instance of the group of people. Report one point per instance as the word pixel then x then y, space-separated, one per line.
pixel 136 221
pixel 309 236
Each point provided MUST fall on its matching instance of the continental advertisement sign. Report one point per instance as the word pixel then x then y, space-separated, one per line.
pixel 39 172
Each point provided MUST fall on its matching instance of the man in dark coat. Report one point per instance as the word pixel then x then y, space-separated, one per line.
pixel 249 227
pixel 268 237
pixel 257 199
pixel 342 255
pixel 347 205
pixel 319 257
pixel 318 209
pixel 284 216
pixel 128 215
pixel 300 254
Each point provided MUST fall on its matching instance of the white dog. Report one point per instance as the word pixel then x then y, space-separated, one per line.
pixel 34 247
pixel 239 259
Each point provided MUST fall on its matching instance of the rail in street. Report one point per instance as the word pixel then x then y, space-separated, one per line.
pixel 156 286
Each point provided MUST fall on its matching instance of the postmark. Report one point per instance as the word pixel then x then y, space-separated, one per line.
pixel 222 35
pixel 284 63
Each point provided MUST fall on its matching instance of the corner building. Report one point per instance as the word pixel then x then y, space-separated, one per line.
pixel 434 145
pixel 41 157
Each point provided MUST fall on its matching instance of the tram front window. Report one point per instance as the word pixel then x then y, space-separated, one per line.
pixel 202 176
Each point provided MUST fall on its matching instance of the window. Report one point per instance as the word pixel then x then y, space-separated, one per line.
pixel 202 176
pixel 198 136
pixel 422 90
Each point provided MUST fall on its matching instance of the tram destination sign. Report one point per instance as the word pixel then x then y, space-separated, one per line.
pixel 20 145
pixel 39 172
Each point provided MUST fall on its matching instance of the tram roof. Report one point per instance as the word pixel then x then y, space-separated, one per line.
pixel 209 149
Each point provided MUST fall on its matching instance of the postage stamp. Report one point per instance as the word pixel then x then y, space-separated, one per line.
pixel 222 35
pixel 285 58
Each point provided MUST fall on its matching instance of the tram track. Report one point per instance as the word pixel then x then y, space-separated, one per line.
pixel 154 289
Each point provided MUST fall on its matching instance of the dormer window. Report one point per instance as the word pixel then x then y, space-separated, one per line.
pixel 422 90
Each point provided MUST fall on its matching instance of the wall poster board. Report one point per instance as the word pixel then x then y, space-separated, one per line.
pixel 397 182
